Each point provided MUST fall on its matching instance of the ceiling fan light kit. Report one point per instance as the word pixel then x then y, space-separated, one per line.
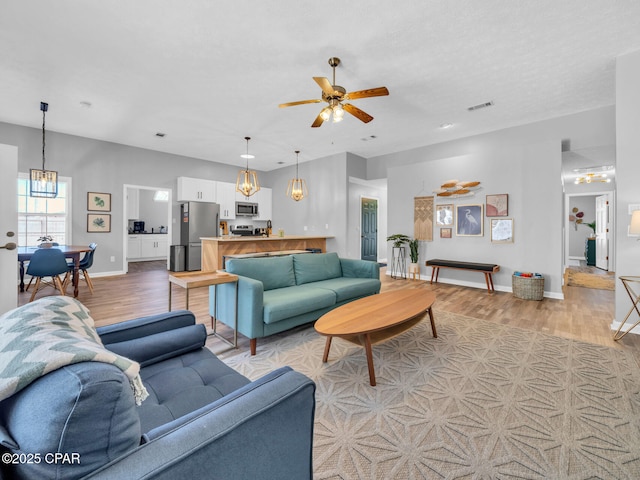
pixel 334 95
pixel 247 181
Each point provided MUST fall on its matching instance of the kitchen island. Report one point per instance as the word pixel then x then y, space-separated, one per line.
pixel 215 249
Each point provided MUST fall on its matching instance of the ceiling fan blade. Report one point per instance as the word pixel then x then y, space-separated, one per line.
pixel 370 92
pixel 318 121
pixel 356 112
pixel 301 102
pixel 325 85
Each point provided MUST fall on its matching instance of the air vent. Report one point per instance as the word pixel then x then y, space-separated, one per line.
pixel 480 105
pixel 160 134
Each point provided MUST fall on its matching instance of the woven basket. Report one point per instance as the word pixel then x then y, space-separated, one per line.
pixel 528 288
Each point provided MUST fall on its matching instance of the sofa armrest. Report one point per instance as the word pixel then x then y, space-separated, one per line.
pixel 160 346
pixel 354 268
pixel 263 430
pixel 144 326
pixel 250 305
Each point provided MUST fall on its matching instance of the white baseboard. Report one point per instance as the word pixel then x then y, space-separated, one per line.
pixel 498 288
pixel 616 324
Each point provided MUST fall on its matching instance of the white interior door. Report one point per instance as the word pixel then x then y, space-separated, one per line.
pixel 602 232
pixel 8 227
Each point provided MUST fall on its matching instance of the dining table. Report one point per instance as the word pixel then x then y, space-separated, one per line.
pixel 70 251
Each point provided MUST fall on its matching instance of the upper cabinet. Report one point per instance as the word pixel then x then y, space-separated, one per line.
pixel 264 200
pixel 226 197
pixel 196 190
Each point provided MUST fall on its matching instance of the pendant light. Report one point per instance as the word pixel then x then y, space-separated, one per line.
pixel 247 182
pixel 297 188
pixel 43 183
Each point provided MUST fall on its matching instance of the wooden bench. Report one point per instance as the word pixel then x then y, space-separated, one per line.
pixel 487 268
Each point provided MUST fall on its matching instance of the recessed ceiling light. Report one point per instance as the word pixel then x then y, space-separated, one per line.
pixel 247 155
pixel 446 125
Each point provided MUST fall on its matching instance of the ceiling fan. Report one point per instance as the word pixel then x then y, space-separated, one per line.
pixel 334 95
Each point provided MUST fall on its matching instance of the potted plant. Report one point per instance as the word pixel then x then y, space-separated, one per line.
pixel 592 225
pixel 46 241
pixel 398 239
pixel 413 253
pixel 398 262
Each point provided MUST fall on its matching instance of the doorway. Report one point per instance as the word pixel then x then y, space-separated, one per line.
pixel 369 229
pixel 133 209
pixel 578 250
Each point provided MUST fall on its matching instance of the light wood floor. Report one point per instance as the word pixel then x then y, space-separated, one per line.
pixel 585 314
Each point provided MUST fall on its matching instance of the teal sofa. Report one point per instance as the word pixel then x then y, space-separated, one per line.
pixel 278 293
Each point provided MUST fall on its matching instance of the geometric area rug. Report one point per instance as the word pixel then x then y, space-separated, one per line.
pixel 481 401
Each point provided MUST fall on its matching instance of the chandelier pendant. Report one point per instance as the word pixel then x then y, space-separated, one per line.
pixel 43 183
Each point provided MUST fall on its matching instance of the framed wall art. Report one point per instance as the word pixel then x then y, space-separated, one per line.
pixel 445 232
pixel 98 202
pixel 498 205
pixel 469 220
pixel 98 222
pixel 502 230
pixel 444 215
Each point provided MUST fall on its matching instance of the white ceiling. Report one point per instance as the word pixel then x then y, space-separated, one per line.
pixel 210 72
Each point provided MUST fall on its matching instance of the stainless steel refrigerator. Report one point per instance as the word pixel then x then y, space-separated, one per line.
pixel 197 219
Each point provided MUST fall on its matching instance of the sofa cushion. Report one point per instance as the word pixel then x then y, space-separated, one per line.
pixel 182 384
pixel 313 267
pixel 292 301
pixel 43 417
pixel 273 272
pixel 350 288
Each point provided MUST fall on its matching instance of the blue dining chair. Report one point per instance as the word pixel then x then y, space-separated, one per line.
pixel 47 262
pixel 85 263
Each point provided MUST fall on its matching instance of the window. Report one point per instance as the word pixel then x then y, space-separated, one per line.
pixel 39 217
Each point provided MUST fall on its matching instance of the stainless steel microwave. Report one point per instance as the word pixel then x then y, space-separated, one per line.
pixel 246 209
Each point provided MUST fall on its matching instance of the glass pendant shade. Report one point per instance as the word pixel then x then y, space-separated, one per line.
pixel 247 181
pixel 297 187
pixel 43 183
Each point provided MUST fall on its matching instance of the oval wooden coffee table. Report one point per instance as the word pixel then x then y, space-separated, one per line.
pixel 376 318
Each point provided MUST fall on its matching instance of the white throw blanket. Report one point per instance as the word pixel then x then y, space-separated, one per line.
pixel 50 333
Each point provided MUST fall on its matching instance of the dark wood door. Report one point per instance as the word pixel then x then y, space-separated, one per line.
pixel 369 229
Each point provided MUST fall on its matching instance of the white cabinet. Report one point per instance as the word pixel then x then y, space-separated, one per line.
pixel 264 199
pixel 133 203
pixel 133 247
pixel 147 247
pixel 196 190
pixel 226 197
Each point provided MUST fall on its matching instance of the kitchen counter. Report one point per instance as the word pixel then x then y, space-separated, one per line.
pixel 214 249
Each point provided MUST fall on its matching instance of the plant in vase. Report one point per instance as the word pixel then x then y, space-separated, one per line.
pixel 413 254
pixel 398 265
pixel 592 225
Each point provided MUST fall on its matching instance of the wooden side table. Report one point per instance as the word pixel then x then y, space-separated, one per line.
pixel 635 299
pixel 189 280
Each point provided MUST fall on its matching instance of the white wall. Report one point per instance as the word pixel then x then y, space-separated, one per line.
pixel 101 166
pixel 324 212
pixel 524 162
pixel 627 260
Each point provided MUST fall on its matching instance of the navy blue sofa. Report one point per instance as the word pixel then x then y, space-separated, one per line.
pixel 202 419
